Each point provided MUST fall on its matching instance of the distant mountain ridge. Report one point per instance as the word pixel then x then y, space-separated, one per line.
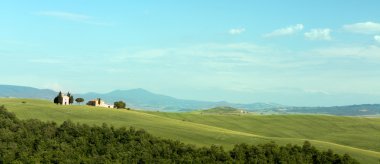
pixel 26 92
pixel 136 98
pixel 143 99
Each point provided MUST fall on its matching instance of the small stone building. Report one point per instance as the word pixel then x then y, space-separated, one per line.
pixel 65 100
pixel 99 103
pixel 62 99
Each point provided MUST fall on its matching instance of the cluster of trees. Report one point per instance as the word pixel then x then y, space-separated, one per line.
pixel 34 141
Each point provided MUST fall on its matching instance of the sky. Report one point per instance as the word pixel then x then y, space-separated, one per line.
pixel 304 53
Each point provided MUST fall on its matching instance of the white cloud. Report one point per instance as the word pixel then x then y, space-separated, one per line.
pixel 371 53
pixel 46 61
pixel 214 57
pixel 312 91
pixel 54 86
pixel 65 15
pixel 73 17
pixel 143 56
pixel 377 38
pixel 363 28
pixel 285 31
pixel 318 34
pixel 236 31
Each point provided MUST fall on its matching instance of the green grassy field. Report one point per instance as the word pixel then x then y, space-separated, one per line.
pixel 219 110
pixel 359 137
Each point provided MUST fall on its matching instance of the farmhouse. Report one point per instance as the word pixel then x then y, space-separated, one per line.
pixel 65 100
pixel 99 103
pixel 243 112
pixel 62 99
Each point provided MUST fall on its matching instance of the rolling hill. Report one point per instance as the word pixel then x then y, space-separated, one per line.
pixel 350 110
pixel 222 110
pixel 357 136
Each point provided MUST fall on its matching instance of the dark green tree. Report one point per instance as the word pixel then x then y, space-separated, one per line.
pixel 79 100
pixel 119 104
pixel 71 98
pixel 58 99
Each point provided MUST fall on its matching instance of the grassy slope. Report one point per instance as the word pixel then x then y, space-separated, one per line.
pixel 356 136
pixel 341 130
pixel 219 110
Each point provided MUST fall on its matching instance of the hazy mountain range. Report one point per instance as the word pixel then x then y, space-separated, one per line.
pixel 26 92
pixel 135 98
pixel 143 99
pixel 140 98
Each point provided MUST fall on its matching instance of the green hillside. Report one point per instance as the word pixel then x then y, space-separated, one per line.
pixel 353 135
pixel 221 110
pixel 336 129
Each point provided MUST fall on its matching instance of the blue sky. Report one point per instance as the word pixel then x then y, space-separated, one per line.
pixel 318 53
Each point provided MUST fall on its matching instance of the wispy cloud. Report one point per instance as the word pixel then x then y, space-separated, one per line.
pixel 285 31
pixel 65 15
pixel 363 28
pixel 377 38
pixel 72 17
pixel 318 34
pixel 55 86
pixel 236 31
pixel 371 53
pixel 215 57
pixel 312 91
pixel 143 56
pixel 45 61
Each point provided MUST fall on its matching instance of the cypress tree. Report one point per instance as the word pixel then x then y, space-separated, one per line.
pixel 71 98
pixel 60 98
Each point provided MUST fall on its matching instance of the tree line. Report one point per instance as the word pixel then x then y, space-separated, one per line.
pixel 34 141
